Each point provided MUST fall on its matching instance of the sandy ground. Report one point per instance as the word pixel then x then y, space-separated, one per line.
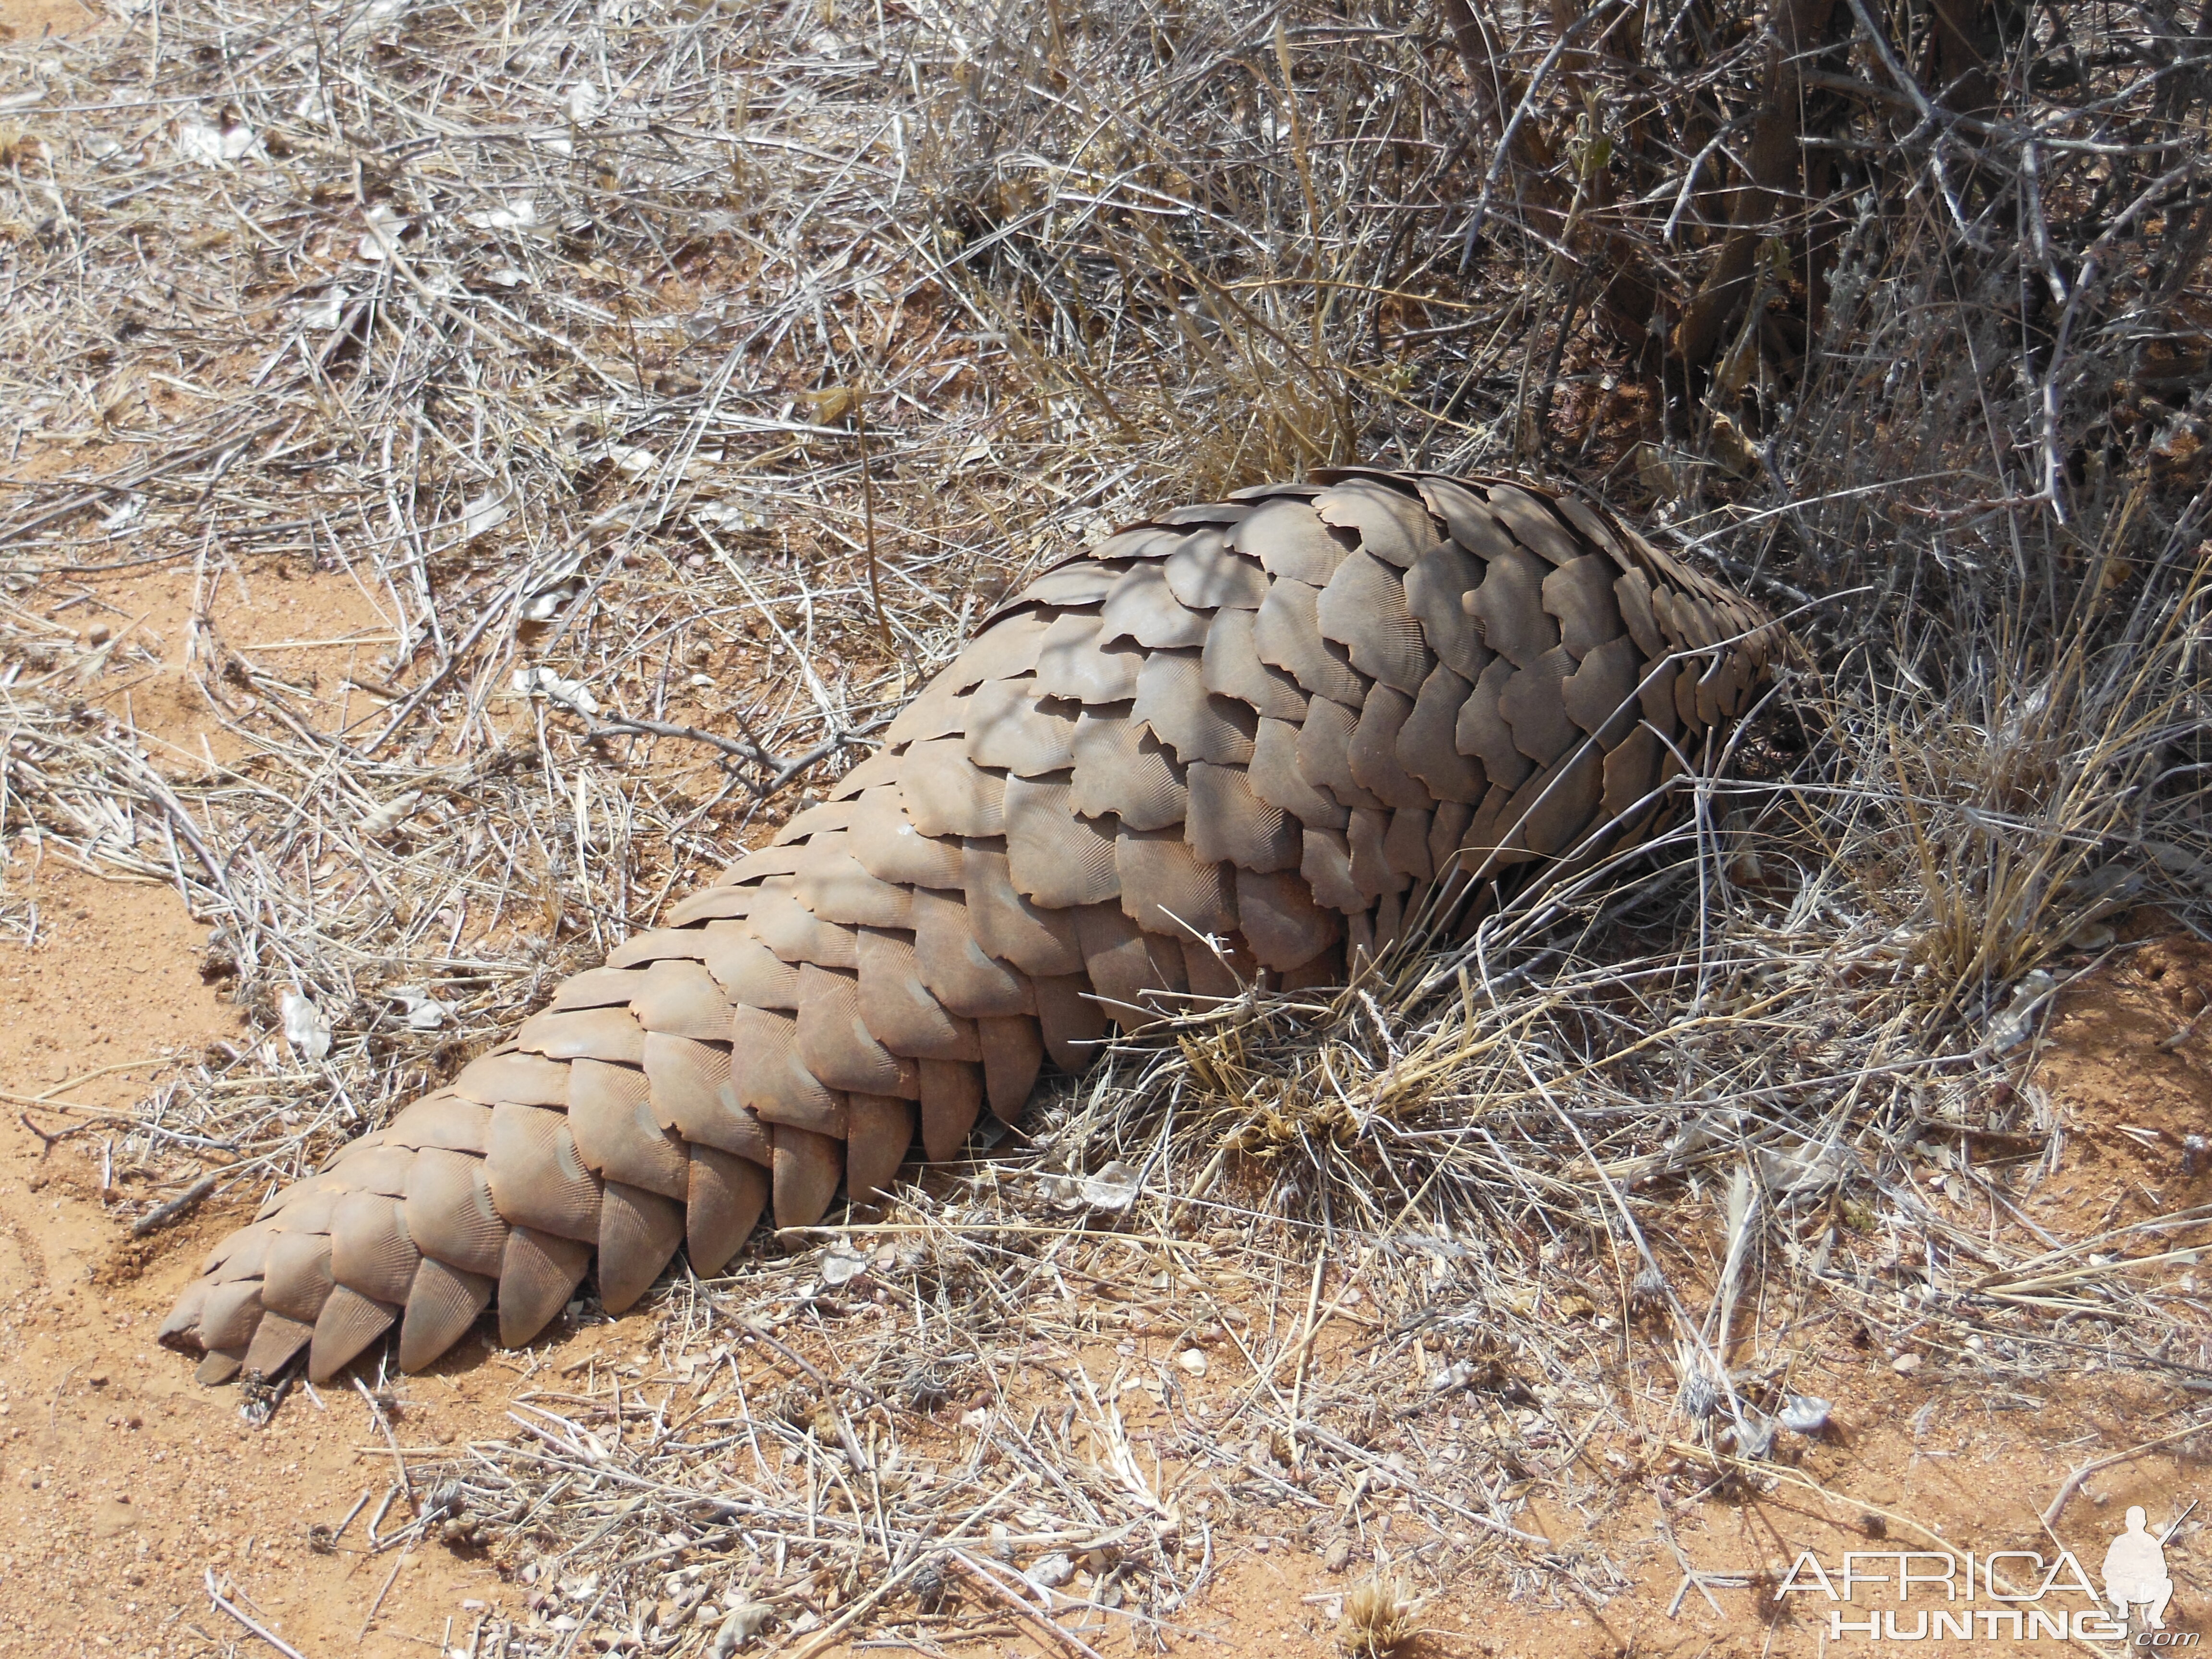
pixel 125 1489
pixel 125 1485
pixel 31 19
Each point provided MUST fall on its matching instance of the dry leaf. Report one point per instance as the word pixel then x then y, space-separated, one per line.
pixel 304 1028
pixel 831 404
pixel 1732 449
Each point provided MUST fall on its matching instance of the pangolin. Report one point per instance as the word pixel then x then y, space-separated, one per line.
pixel 1242 741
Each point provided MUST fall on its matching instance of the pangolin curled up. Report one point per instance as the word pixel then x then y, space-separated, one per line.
pixel 1279 723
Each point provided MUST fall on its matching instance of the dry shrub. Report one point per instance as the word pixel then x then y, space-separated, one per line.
pixel 2034 791
pixel 1184 261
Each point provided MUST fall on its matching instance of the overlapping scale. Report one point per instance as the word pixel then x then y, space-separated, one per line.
pixel 1246 741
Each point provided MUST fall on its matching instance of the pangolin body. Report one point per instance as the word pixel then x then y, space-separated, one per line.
pixel 1245 739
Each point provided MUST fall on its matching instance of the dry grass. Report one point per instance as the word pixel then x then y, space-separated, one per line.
pixel 1378 1619
pixel 638 348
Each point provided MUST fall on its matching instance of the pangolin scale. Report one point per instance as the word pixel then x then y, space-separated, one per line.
pixel 1248 739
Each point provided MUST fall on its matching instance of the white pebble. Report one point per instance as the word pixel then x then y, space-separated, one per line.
pixel 1806 1413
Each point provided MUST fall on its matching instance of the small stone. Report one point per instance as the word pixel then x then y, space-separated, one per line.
pixel 745 1621
pixel 1190 1360
pixel 1338 1555
pixel 1906 1363
pixel 1804 1414
pixel 1051 1573
pixel 99 634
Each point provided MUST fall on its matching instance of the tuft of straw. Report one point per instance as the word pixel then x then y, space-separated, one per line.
pixel 1378 1619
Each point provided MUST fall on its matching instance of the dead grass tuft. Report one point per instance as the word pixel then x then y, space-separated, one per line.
pixel 1378 1619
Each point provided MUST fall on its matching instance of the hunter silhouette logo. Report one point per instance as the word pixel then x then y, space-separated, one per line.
pixel 2135 1571
pixel 2000 1596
